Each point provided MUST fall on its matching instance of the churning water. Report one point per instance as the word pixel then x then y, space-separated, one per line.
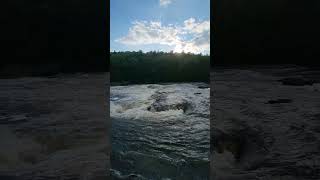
pixel 160 131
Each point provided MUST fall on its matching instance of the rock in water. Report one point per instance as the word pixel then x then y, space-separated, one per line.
pixel 296 81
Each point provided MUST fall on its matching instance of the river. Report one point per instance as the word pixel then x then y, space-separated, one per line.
pixel 160 131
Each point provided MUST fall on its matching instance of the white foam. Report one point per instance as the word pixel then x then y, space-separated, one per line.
pixel 132 102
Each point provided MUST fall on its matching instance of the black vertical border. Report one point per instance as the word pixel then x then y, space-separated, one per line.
pixel 107 84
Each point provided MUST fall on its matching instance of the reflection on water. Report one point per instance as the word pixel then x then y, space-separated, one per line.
pixel 160 131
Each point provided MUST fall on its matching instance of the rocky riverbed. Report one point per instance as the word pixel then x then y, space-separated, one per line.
pixel 265 123
pixel 54 127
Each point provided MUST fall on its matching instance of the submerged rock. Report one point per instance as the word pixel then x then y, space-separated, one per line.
pixel 278 101
pixel 296 81
pixel 162 103
pixel 4 177
pixel 204 87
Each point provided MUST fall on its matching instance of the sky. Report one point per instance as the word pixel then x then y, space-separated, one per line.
pixel 160 25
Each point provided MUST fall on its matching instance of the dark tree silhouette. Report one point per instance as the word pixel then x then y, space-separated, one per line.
pixel 157 67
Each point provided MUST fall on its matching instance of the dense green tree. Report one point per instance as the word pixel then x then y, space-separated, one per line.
pixel 157 67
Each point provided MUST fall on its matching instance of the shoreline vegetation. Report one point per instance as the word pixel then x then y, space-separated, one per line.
pixel 137 67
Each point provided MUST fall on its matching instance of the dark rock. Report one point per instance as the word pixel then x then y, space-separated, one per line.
pixel 278 101
pixel 158 107
pixel 116 175
pixel 152 86
pixel 235 136
pixel 161 103
pixel 296 81
pixel 204 87
pixel 4 177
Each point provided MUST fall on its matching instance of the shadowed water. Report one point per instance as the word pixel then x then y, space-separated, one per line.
pixel 160 131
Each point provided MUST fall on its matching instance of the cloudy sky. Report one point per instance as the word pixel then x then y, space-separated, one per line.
pixel 165 25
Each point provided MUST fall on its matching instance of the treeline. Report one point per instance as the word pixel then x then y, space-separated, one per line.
pixel 158 67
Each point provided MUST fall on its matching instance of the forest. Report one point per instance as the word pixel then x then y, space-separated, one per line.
pixel 158 67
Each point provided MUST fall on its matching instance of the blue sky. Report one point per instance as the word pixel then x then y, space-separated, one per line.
pixel 177 25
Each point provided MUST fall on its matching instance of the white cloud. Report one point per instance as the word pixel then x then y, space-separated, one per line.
pixel 192 37
pixel 152 32
pixel 165 2
pixel 196 27
pixel 198 44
